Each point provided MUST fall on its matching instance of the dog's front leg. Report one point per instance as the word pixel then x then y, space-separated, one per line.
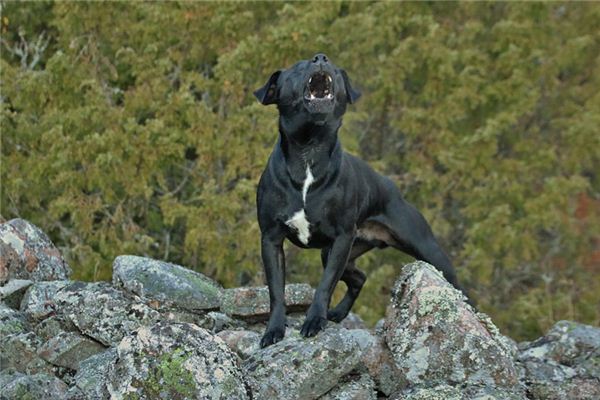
pixel 316 317
pixel 274 265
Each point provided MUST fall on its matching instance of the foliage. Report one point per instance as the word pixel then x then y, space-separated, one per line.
pixel 137 132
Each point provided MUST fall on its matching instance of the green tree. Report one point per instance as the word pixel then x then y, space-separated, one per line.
pixel 136 132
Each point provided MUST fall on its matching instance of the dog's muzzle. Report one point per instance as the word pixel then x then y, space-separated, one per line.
pixel 319 93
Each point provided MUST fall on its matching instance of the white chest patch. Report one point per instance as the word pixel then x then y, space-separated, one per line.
pixel 298 220
pixel 301 225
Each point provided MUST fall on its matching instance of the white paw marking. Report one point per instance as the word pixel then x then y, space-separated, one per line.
pixel 298 220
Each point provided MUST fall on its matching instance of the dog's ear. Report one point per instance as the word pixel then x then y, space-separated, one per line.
pixel 268 93
pixel 351 94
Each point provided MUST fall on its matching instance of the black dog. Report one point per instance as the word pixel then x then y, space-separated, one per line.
pixel 317 196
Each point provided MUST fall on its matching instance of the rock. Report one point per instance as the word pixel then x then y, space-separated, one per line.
pixel 15 385
pixel 53 326
pixel 244 343
pixel 217 321
pixel 567 343
pixel 299 368
pixel 97 309
pixel 175 361
pixel 439 392
pixel 447 392
pixel 356 388
pixel 12 292
pixel 379 362
pixel 437 338
pixel 564 363
pixel 68 349
pixel 19 352
pixel 92 377
pixel 252 303
pixel 38 300
pixel 11 322
pixel 27 253
pixel 353 321
pixel 213 321
pixel 168 284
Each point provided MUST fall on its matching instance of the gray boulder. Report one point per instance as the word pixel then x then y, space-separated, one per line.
pixel 11 322
pixel 92 377
pixel 12 292
pixel 436 338
pixel 68 349
pixel 252 303
pixel 300 368
pixel 447 392
pixel 15 385
pixel 19 352
pixel 97 309
pixel 359 387
pixel 242 342
pixel 175 361
pixel 169 285
pixel 27 253
pixel 378 361
pixel 564 363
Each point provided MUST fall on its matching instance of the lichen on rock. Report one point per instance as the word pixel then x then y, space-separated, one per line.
pixel 156 333
pixel 436 338
pixel 27 253
pixel 175 361
pixel 168 284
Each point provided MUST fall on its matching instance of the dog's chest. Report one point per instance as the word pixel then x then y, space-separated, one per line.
pixel 299 221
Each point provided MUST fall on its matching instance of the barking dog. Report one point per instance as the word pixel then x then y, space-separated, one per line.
pixel 317 196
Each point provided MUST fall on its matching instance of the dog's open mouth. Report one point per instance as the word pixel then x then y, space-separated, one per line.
pixel 319 86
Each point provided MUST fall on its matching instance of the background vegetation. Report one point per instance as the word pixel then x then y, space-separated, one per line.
pixel 131 128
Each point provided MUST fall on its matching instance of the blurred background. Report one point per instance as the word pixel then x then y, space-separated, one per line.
pixel 131 128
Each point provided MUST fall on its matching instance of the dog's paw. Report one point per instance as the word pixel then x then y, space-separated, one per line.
pixel 336 315
pixel 272 336
pixel 313 325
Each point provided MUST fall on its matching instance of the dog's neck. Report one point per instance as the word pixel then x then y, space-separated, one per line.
pixel 310 146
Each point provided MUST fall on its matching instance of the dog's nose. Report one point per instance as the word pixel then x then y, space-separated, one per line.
pixel 320 59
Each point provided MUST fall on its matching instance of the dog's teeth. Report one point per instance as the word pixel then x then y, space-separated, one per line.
pixel 329 78
pixel 330 96
pixel 309 80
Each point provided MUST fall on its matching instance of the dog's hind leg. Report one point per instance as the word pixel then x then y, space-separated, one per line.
pixel 353 277
pixel 412 235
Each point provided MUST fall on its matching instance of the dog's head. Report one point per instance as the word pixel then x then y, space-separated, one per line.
pixel 314 89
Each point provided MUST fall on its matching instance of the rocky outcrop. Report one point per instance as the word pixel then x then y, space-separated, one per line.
pixel 160 331
pixel 564 363
pixel 173 360
pixel 436 338
pixel 27 253
pixel 252 303
pixel 165 284
pixel 98 310
pixel 300 368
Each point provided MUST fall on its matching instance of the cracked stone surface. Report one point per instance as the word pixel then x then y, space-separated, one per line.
pixel 68 349
pixel 169 285
pixel 27 253
pixel 175 360
pixel 16 385
pixel 97 309
pixel 437 338
pixel 160 331
pixel 564 363
pixel 299 368
pixel 252 303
